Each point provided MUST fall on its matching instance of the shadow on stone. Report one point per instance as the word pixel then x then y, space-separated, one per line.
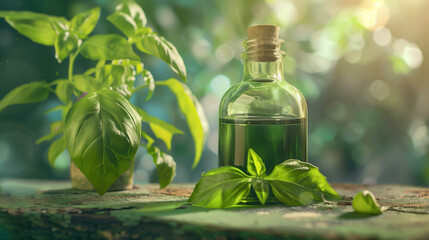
pixel 355 215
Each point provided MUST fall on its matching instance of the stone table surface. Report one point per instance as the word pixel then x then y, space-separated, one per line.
pixel 35 209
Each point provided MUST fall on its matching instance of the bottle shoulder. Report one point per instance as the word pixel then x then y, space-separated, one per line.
pixel 263 98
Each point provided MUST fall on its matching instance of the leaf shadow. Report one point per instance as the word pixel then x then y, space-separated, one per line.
pixel 356 215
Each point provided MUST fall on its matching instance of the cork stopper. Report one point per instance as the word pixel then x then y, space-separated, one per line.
pixel 263 44
pixel 263 31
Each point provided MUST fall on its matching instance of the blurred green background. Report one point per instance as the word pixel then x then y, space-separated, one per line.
pixel 359 63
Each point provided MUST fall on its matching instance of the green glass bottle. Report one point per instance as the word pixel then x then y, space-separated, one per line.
pixel 263 111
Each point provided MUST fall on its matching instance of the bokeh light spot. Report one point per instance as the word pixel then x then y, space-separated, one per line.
pixel 379 90
pixel 220 84
pixel 412 55
pixel 305 198
pixel 382 36
pixel 373 14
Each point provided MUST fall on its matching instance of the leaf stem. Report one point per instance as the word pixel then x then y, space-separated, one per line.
pixel 71 63
pixel 139 87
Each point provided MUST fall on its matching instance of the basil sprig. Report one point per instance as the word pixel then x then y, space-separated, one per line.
pixel 292 182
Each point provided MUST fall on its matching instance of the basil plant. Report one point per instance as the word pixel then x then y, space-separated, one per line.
pixel 100 128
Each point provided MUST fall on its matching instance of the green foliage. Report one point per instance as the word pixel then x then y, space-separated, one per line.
pixel 293 182
pixel 27 93
pixel 365 202
pixel 102 129
pixel 102 132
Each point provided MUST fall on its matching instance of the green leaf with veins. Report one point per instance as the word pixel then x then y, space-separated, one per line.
pixel 65 43
pixel 161 129
pixel 133 10
pixel 221 188
pixel 56 148
pixel 365 202
pixel 40 28
pixel 165 166
pixel 294 194
pixel 27 93
pixel 305 175
pixel 107 47
pixel 56 129
pixel 193 112
pixel 64 90
pixel 83 23
pixel 102 132
pixel 255 165
pixel 161 48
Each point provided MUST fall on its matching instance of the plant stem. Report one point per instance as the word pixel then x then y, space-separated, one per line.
pixel 139 87
pixel 72 57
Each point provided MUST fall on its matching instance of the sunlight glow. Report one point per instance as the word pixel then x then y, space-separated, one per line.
pixel 373 14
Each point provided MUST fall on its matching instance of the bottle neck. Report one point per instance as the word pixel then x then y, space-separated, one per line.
pixel 263 59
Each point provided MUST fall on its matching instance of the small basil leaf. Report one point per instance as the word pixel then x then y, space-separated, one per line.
pixel 305 175
pixel 65 43
pixel 148 78
pixel 85 83
pixel 133 10
pixel 262 189
pixel 40 28
pixel 193 112
pixel 56 129
pixel 27 93
pixel 83 23
pixel 365 202
pixel 159 47
pixel 165 166
pixel 56 148
pixel 255 165
pixel 64 90
pixel 221 188
pixel 123 22
pixel 102 132
pixel 294 194
pixel 161 129
pixel 107 47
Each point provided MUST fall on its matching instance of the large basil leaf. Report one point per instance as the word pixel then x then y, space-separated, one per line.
pixel 159 47
pixel 65 43
pixel 365 202
pixel 133 10
pixel 221 188
pixel 56 129
pixel 40 28
pixel 165 166
pixel 83 23
pixel 161 129
pixel 294 194
pixel 305 175
pixel 27 93
pixel 64 90
pixel 56 148
pixel 102 132
pixel 191 108
pixel 123 22
pixel 107 47
pixel 255 165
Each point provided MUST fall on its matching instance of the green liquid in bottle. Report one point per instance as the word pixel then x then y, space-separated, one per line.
pixel 274 140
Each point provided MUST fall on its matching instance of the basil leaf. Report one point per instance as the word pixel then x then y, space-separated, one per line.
pixel 165 166
pixel 255 165
pixel 262 189
pixel 107 47
pixel 102 132
pixel 64 90
pixel 83 23
pixel 148 138
pixel 159 47
pixel 27 93
pixel 65 43
pixel 365 202
pixel 85 83
pixel 56 129
pixel 294 194
pixel 191 108
pixel 148 78
pixel 221 188
pixel 161 129
pixel 56 148
pixel 305 175
pixel 133 10
pixel 40 28
pixel 123 22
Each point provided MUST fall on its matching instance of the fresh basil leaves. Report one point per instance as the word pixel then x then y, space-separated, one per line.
pixel 365 202
pixel 100 127
pixel 292 182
